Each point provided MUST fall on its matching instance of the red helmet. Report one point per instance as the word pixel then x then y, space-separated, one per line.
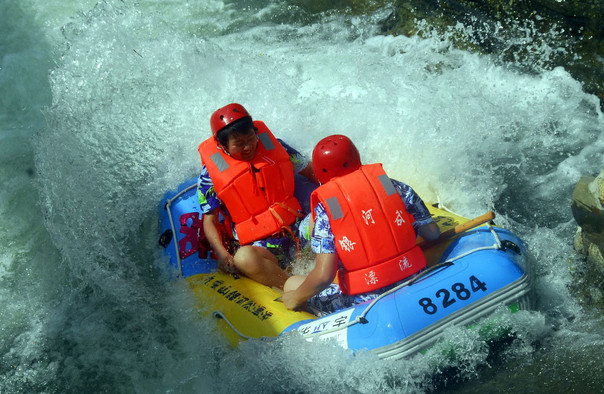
pixel 334 156
pixel 226 115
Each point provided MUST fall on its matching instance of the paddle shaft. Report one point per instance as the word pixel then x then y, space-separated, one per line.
pixel 460 228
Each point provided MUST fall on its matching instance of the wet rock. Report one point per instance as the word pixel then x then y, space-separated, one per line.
pixel 590 250
pixel 587 272
pixel 587 208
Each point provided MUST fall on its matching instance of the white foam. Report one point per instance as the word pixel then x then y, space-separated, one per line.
pixel 132 92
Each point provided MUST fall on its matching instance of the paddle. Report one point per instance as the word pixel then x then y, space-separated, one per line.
pixel 460 228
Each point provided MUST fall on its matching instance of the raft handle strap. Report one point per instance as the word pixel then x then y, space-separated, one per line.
pixel 507 244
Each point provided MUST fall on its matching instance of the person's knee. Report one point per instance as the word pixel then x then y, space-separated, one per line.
pixel 247 259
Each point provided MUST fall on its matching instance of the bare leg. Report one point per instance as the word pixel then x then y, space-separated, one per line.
pixel 260 265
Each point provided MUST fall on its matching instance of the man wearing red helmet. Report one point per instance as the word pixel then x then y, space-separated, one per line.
pixel 248 176
pixel 364 230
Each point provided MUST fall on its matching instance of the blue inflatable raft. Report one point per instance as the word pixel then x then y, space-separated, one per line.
pixel 468 278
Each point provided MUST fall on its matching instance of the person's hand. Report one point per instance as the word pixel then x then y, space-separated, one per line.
pixel 226 263
pixel 290 300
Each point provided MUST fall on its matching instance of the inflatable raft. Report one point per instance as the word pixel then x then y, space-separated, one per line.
pixel 467 278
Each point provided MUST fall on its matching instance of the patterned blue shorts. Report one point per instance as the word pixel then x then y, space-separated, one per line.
pixel 332 299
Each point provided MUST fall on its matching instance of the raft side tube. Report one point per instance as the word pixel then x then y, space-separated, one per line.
pixel 458 293
pixel 518 292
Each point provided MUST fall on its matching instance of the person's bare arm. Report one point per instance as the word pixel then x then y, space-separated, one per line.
pixel 429 231
pixel 210 228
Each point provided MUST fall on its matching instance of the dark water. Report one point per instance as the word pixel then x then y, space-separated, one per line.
pixel 103 106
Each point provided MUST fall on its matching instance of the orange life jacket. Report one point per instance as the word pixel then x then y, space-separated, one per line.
pixel 259 194
pixel 373 231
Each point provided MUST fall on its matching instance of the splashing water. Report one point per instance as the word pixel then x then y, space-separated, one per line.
pixel 128 96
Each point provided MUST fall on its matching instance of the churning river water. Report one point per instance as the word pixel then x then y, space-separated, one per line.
pixel 103 106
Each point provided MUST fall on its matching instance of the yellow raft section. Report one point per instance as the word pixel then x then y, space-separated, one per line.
pixel 246 309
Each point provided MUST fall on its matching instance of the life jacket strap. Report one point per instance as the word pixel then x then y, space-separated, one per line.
pixel 285 227
pixel 294 212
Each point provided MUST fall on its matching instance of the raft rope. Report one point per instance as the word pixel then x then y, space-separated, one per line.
pixel 175 238
pixel 362 319
pixel 220 315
